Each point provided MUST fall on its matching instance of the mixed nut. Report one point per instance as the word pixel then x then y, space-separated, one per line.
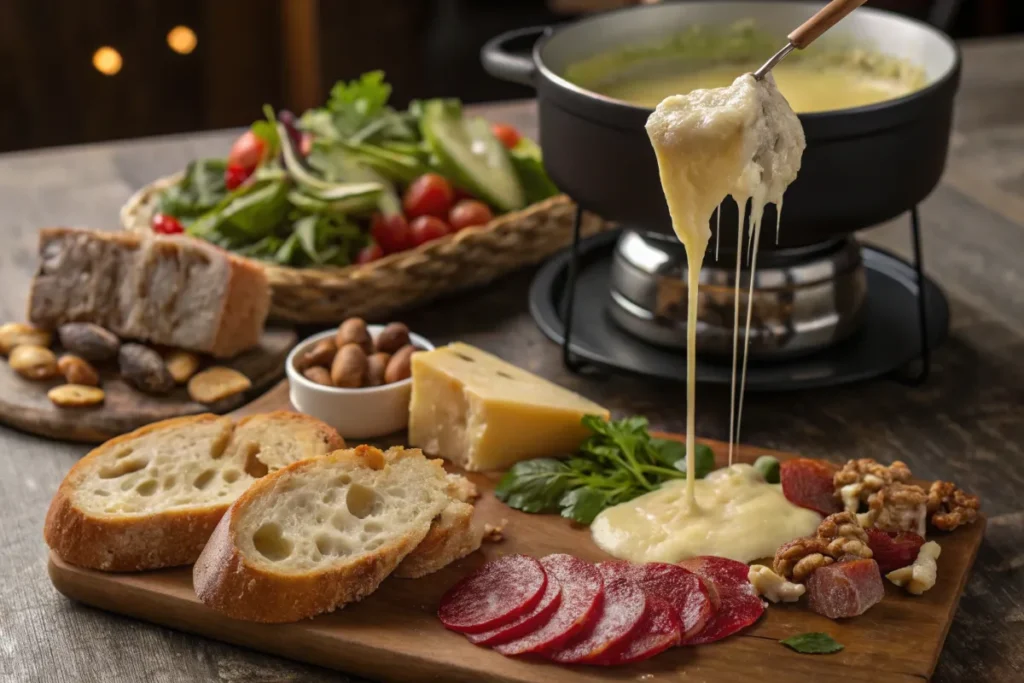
pixel 87 348
pixel 354 359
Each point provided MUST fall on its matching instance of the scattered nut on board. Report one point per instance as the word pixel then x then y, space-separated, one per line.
pixel 77 370
pixel 318 374
pixel 22 334
pixel 217 383
pixel 33 362
pixel 144 369
pixel 89 341
pixel 181 365
pixel 495 533
pixel 75 396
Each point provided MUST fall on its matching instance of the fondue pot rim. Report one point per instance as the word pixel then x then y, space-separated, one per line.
pixel 596 106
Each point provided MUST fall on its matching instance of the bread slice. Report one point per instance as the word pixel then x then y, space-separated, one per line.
pixel 452 534
pixel 151 498
pixel 319 533
pixel 170 290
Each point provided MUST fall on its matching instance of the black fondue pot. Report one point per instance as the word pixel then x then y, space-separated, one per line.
pixel 862 165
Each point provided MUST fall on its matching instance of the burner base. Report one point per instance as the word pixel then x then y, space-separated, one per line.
pixel 886 341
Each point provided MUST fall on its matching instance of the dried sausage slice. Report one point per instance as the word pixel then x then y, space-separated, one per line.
pixel 582 591
pixel 526 622
pixel 493 595
pixel 740 607
pixel 659 630
pixel 683 590
pixel 808 483
pixel 620 614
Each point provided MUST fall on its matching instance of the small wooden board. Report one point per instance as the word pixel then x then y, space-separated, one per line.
pixel 394 634
pixel 24 405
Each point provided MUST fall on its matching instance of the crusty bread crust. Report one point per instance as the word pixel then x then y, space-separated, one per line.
pixel 131 542
pixel 452 536
pixel 227 581
pixel 128 543
pixel 243 308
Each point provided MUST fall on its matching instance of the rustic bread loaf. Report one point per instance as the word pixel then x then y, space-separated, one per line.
pixel 170 290
pixel 320 533
pixel 452 534
pixel 151 498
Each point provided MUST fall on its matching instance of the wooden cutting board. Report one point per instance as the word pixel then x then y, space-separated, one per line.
pixel 394 634
pixel 24 405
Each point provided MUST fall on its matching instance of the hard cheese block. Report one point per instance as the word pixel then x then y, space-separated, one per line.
pixel 485 414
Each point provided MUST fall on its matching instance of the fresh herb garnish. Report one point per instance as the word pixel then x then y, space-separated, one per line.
pixel 619 461
pixel 812 644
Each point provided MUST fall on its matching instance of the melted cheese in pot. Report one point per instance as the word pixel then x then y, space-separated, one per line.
pixel 737 516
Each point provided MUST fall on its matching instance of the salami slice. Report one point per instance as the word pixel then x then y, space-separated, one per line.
pixel 659 630
pixel 526 622
pixel 808 483
pixel 582 592
pixel 621 613
pixel 685 592
pixel 494 594
pixel 740 607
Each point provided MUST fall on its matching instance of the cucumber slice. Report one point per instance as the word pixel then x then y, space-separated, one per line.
pixel 470 154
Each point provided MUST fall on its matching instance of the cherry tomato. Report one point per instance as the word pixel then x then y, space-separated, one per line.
pixel 370 252
pixel 247 152
pixel 506 134
pixel 428 195
pixel 469 212
pixel 235 176
pixel 391 232
pixel 164 224
pixel 427 228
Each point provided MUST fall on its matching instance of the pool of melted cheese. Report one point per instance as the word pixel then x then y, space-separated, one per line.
pixel 737 515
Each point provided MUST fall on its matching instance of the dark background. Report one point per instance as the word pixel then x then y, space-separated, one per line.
pixel 284 52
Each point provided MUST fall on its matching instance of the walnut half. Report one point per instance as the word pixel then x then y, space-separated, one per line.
pixel 950 507
pixel 899 507
pixel 844 537
pixel 797 559
pixel 860 479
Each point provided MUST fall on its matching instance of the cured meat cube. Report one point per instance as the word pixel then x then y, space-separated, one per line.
pixel 808 484
pixel 892 550
pixel 845 589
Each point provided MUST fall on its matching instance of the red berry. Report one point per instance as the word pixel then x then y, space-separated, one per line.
pixel 370 252
pixel 427 228
pixel 164 224
pixel 469 212
pixel 391 232
pixel 428 195
pixel 506 134
pixel 234 176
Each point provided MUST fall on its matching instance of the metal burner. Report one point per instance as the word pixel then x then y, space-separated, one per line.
pixel 805 299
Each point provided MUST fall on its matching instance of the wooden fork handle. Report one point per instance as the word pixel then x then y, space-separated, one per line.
pixel 825 19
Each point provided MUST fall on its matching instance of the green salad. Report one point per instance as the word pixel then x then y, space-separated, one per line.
pixel 354 180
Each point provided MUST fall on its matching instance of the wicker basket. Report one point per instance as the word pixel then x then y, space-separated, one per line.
pixel 470 258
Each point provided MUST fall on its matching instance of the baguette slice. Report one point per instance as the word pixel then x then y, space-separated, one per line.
pixel 171 290
pixel 151 498
pixel 319 533
pixel 452 534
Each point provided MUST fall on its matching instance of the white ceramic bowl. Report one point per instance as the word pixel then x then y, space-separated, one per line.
pixel 362 413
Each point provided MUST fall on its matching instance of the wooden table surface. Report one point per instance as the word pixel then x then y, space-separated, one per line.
pixel 966 424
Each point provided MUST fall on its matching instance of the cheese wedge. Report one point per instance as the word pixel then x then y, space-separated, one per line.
pixel 485 414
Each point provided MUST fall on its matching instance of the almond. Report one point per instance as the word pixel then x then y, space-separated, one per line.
pixel 34 362
pixel 217 383
pixel 75 396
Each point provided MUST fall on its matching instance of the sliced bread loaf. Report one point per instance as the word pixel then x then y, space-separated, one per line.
pixel 151 498
pixel 170 290
pixel 452 534
pixel 320 533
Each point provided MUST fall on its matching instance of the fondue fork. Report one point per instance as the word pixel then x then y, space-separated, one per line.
pixel 810 30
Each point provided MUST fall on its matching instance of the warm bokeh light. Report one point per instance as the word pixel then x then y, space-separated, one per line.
pixel 107 60
pixel 182 40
